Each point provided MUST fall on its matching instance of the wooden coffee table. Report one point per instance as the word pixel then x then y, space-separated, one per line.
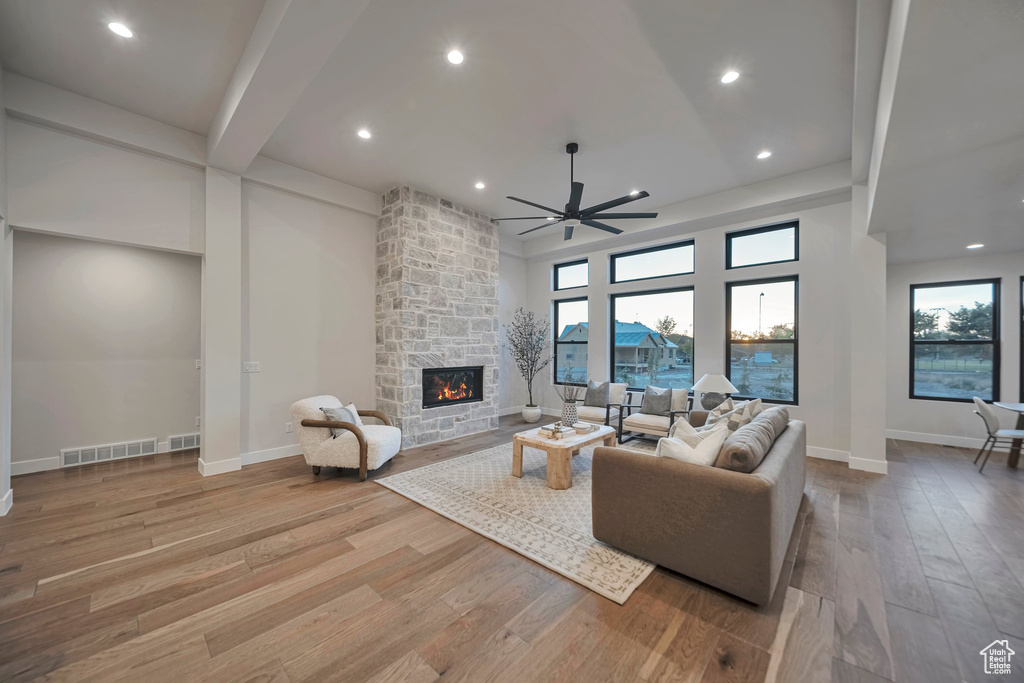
pixel 559 451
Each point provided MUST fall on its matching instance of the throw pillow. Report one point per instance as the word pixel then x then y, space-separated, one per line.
pixel 745 449
pixel 597 394
pixel 656 401
pixel 705 453
pixel 691 435
pixel 740 414
pixel 343 414
pixel 726 406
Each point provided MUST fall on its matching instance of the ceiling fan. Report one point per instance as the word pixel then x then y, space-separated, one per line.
pixel 573 214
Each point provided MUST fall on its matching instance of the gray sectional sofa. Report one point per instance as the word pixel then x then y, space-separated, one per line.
pixel 726 529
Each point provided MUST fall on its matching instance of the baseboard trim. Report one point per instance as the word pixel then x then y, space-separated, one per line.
pixel 163 447
pixel 828 454
pixel 38 465
pixel 254 457
pixel 502 412
pixel 209 469
pixel 869 465
pixel 6 502
pixel 937 439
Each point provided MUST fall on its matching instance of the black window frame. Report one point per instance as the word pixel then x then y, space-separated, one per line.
pixel 557 333
pixel 612 258
pixel 746 232
pixel 611 326
pixel 577 262
pixel 995 341
pixel 795 341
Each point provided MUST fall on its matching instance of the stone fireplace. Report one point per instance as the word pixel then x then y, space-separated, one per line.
pixel 436 310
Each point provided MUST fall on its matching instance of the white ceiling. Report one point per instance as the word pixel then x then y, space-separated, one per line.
pixel 174 70
pixel 636 84
pixel 952 169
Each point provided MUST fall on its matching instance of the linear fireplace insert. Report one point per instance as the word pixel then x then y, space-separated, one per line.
pixel 446 386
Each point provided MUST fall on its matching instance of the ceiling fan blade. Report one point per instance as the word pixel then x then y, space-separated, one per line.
pixel 541 226
pixel 524 218
pixel 623 215
pixel 601 226
pixel 575 195
pixel 551 212
pixel 568 232
pixel 597 208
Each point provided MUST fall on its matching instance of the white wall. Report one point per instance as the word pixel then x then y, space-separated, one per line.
pixel 70 185
pixel 512 394
pixel 307 311
pixel 824 324
pixel 6 256
pixel 948 422
pixel 105 343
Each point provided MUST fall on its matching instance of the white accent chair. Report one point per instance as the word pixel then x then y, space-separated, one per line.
pixel 609 414
pixel 363 447
pixel 632 422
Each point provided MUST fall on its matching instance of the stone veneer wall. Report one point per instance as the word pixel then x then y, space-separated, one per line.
pixel 436 306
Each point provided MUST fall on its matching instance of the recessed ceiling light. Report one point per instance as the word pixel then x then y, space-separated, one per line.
pixel 120 29
pixel 479 185
pixel 730 76
pixel 455 57
pixel 633 193
pixel 975 246
pixel 763 154
pixel 364 134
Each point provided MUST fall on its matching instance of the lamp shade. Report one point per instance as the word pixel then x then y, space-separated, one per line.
pixel 714 384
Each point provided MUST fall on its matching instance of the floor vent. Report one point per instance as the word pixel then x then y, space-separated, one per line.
pixel 111 451
pixel 183 442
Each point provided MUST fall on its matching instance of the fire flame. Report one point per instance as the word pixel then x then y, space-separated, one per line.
pixel 445 392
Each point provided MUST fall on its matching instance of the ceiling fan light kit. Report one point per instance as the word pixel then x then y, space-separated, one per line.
pixel 573 216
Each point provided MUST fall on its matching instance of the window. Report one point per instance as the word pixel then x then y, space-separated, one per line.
pixel 761 338
pixel 571 341
pixel 758 246
pixel 652 338
pixel 954 340
pixel 646 264
pixel 572 275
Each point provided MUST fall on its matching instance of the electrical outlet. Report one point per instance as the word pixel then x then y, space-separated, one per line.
pixel 199 364
pixel 288 427
pixel 198 420
pixel 251 366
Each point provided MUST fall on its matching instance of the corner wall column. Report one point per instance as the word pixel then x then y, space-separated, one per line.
pixel 866 298
pixel 221 384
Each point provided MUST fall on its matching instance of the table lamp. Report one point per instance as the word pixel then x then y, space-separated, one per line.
pixel 715 388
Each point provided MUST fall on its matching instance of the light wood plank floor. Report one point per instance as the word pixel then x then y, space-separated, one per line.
pixel 143 570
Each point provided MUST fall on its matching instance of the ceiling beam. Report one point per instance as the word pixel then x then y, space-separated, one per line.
pixel 897 30
pixel 289 45
pixel 869 52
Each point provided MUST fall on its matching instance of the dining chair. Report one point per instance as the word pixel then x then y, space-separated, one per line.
pixel 996 435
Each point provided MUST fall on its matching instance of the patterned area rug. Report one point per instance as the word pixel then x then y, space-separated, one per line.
pixel 553 528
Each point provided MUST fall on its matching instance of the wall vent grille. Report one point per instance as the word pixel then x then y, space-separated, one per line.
pixel 70 457
pixel 183 442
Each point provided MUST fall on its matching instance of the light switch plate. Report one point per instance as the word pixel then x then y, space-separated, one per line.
pixel 251 366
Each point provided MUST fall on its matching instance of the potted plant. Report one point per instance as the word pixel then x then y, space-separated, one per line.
pixel 526 339
pixel 570 391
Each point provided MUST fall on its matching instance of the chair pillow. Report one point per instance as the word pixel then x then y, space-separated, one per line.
pixel 745 448
pixel 656 401
pixel 705 453
pixel 735 415
pixel 343 414
pixel 597 394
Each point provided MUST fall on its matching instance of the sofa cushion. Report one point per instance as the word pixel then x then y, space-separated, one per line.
pixel 735 414
pixel 703 452
pixel 596 415
pixel 745 448
pixel 597 394
pixel 657 401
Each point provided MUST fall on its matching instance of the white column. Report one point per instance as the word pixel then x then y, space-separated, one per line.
pixel 6 278
pixel 220 399
pixel 866 298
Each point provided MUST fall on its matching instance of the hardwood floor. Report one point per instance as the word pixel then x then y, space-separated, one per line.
pixel 144 570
